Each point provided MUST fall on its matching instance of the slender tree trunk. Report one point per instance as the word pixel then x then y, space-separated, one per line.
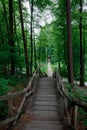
pixel 5 15
pixel 84 41
pixel 2 41
pixel 11 36
pixel 31 36
pixel 39 54
pixel 35 54
pixel 81 49
pixel 7 29
pixel 58 54
pixel 69 31
pixel 18 44
pixel 24 39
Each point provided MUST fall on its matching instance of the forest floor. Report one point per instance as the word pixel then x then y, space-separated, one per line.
pixel 16 101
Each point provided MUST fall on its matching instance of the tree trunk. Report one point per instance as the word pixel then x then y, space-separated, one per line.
pixel 31 32
pixel 2 41
pixel 18 44
pixel 81 49
pixel 69 38
pixel 24 39
pixel 5 15
pixel 39 54
pixel 35 54
pixel 11 41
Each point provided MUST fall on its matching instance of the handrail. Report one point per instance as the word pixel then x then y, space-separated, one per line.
pixel 75 102
pixel 26 91
pixel 5 97
pixel 61 91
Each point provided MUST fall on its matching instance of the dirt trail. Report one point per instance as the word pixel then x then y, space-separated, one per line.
pixel 49 71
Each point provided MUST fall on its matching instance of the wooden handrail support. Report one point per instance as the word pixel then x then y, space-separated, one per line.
pixel 75 102
pixel 9 97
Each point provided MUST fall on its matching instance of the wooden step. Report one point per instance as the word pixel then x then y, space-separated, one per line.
pixel 41 125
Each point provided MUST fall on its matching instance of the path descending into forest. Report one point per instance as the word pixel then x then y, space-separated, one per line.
pixel 45 109
pixel 49 72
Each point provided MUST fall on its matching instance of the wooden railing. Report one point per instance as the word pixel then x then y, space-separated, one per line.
pixel 10 97
pixel 74 104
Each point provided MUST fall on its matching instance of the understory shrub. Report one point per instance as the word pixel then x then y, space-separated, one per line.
pixel 4 88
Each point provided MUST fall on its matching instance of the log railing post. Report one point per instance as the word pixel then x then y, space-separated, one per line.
pixel 10 106
pixel 10 111
pixel 74 116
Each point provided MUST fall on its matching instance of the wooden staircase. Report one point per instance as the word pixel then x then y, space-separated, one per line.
pixel 45 109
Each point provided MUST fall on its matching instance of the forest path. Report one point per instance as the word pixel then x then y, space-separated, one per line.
pixel 45 109
pixel 49 71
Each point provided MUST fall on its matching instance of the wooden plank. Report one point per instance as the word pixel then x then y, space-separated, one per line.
pixel 46 95
pixel 45 108
pixel 48 103
pixel 45 99
pixel 44 125
pixel 44 115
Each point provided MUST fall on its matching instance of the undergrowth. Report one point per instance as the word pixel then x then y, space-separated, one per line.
pixel 80 94
pixel 9 84
pixel 77 93
pixel 4 88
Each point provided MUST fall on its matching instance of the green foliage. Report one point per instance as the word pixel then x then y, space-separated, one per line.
pixel 12 81
pixel 82 116
pixel 44 68
pixel 4 88
pixel 70 92
pixel 81 94
pixel 42 4
pixel 78 93
pixel 3 109
pixel 54 67
pixel 63 70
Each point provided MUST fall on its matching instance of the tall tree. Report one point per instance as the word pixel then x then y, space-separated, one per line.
pixel 81 49
pixel 11 41
pixel 5 15
pixel 35 58
pixel 69 37
pixel 31 33
pixel 24 38
pixel 17 40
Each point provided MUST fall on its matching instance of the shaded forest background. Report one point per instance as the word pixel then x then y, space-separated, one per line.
pixel 22 49
pixel 31 31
